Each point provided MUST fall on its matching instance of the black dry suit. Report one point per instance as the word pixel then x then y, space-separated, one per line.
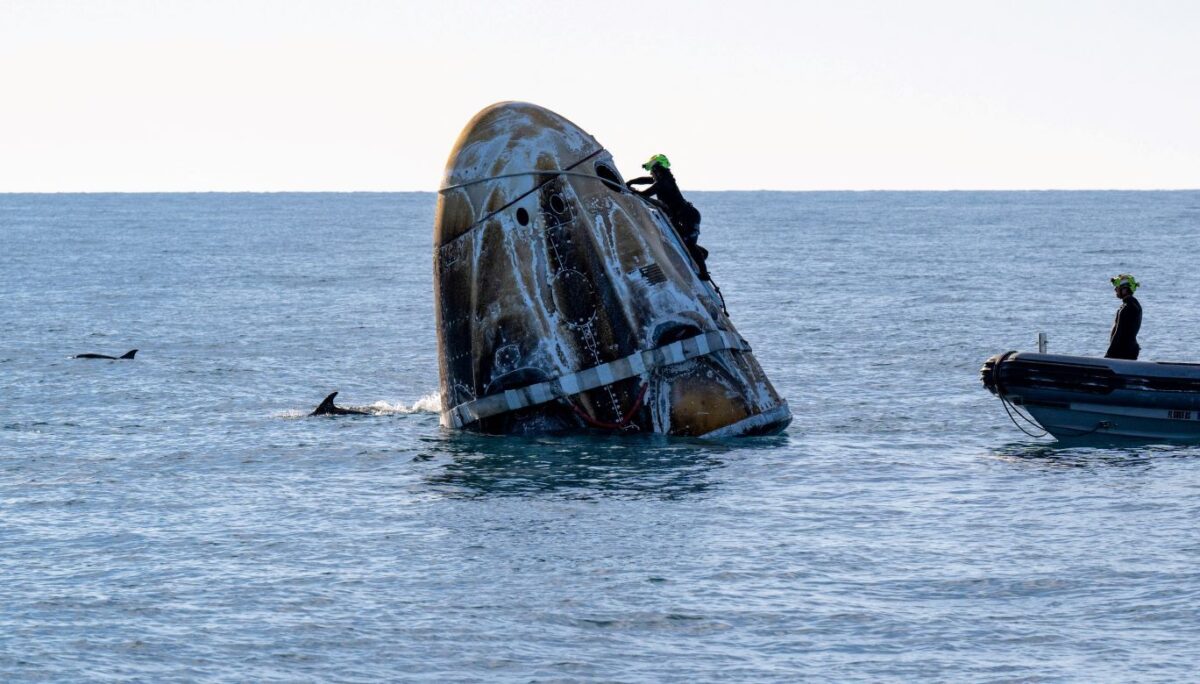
pixel 684 216
pixel 1122 341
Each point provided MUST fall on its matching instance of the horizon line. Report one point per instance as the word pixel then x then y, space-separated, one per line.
pixel 434 192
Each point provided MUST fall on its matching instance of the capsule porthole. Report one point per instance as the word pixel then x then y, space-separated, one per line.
pixel 609 176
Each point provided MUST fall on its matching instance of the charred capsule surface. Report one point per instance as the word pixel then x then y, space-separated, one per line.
pixel 565 302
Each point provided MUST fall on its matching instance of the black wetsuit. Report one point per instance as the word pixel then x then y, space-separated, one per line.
pixel 684 216
pixel 1122 341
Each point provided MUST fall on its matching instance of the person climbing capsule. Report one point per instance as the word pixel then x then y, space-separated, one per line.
pixel 1122 340
pixel 664 191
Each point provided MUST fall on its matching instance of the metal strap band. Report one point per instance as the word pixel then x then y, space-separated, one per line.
pixel 630 366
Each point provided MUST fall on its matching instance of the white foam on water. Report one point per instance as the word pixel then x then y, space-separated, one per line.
pixel 429 403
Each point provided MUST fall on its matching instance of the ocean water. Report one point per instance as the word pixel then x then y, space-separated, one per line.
pixel 179 518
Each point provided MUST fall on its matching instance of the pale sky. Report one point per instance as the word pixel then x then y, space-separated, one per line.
pixel 353 95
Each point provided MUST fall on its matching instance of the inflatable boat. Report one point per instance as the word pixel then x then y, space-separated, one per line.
pixel 1073 397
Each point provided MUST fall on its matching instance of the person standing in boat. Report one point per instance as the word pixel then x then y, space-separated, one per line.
pixel 684 216
pixel 1122 341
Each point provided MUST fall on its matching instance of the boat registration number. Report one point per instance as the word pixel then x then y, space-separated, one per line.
pixel 1183 415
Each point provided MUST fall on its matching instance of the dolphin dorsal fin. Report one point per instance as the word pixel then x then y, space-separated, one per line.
pixel 326 406
pixel 129 354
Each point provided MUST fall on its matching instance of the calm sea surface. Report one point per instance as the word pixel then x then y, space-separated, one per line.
pixel 179 517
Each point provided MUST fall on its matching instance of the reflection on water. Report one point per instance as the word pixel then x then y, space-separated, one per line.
pixel 1090 455
pixel 579 466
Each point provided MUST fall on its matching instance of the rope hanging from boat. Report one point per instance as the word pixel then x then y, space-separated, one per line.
pixel 1100 425
pixel 1011 408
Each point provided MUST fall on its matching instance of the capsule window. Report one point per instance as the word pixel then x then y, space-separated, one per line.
pixel 522 216
pixel 609 176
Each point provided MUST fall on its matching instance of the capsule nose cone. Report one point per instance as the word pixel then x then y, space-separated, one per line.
pixel 503 139
pixel 515 136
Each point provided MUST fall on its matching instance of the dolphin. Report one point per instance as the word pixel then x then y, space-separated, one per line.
pixel 328 409
pixel 127 355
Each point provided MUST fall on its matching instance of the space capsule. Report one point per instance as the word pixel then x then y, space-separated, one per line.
pixel 565 302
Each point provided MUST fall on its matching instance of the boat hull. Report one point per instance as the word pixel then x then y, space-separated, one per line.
pixel 1077 397
pixel 1081 420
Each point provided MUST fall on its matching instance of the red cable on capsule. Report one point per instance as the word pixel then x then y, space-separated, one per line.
pixel 620 425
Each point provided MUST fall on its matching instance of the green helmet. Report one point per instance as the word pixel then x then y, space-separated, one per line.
pixel 1124 279
pixel 657 160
